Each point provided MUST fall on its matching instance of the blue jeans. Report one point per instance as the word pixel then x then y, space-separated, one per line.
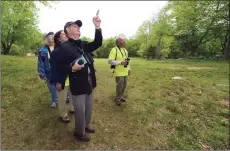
pixel 53 92
pixel 67 97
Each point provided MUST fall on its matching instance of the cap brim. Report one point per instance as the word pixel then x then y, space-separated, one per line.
pixel 78 22
pixel 50 33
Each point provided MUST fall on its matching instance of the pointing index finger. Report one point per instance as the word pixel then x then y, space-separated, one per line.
pixel 97 12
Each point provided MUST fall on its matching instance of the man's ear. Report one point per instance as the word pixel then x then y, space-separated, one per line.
pixel 67 29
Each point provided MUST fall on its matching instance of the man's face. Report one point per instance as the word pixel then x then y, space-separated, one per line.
pixel 63 36
pixel 122 42
pixel 75 30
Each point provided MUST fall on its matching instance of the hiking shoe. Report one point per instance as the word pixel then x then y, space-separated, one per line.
pixel 81 137
pixel 118 103
pixel 89 129
pixel 123 100
pixel 53 105
pixel 65 119
pixel 72 112
pixel 67 101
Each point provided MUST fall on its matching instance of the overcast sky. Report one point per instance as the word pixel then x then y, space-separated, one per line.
pixel 117 17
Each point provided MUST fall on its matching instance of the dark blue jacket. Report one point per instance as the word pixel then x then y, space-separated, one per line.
pixel 56 77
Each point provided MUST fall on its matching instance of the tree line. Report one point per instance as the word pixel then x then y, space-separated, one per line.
pixel 182 29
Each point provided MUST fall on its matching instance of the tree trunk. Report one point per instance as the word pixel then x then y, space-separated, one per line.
pixel 7 50
pixel 6 47
pixel 158 50
pixel 224 42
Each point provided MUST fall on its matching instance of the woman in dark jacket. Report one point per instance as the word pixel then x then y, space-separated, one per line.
pixel 61 81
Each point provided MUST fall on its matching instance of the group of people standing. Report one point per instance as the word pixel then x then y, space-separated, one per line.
pixel 70 78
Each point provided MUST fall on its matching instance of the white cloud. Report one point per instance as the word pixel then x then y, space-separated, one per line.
pixel 117 16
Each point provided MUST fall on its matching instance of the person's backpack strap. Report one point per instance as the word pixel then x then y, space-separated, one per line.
pixel 116 54
pixel 126 53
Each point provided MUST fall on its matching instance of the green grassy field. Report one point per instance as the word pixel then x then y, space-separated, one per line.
pixel 161 113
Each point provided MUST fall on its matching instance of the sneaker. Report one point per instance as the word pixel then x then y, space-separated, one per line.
pixel 67 99
pixel 53 105
pixel 81 137
pixel 123 100
pixel 72 112
pixel 118 103
pixel 65 119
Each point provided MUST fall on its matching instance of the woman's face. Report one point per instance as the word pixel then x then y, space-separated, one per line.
pixel 50 40
pixel 63 37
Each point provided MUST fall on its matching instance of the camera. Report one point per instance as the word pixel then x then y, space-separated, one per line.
pixel 112 67
pixel 81 60
pixel 84 59
pixel 127 59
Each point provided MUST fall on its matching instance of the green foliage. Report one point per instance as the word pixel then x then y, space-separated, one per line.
pixel 104 50
pixel 132 46
pixel 165 53
pixel 19 25
pixel 15 49
pixel 186 29
pixel 182 29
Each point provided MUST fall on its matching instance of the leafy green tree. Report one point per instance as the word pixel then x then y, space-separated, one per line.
pixel 19 23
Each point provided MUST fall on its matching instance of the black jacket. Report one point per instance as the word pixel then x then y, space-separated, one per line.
pixel 67 53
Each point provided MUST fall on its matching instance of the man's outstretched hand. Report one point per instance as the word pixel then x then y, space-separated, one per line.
pixel 97 20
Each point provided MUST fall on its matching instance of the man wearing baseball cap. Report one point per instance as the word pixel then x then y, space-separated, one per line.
pixel 44 70
pixel 81 73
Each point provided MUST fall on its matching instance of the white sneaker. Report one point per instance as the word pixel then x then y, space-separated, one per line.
pixel 53 105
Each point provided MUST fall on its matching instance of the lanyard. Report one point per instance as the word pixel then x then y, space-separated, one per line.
pixel 122 53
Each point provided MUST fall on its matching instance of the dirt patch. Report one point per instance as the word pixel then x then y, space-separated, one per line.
pixel 223 85
pixel 193 68
pixel 177 78
pixel 204 146
pixel 200 68
pixel 174 68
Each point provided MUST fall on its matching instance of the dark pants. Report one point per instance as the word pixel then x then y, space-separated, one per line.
pixel 120 87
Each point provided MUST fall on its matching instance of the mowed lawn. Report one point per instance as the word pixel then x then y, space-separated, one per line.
pixel 161 112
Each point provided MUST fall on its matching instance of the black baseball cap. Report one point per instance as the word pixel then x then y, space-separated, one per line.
pixel 78 22
pixel 46 35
